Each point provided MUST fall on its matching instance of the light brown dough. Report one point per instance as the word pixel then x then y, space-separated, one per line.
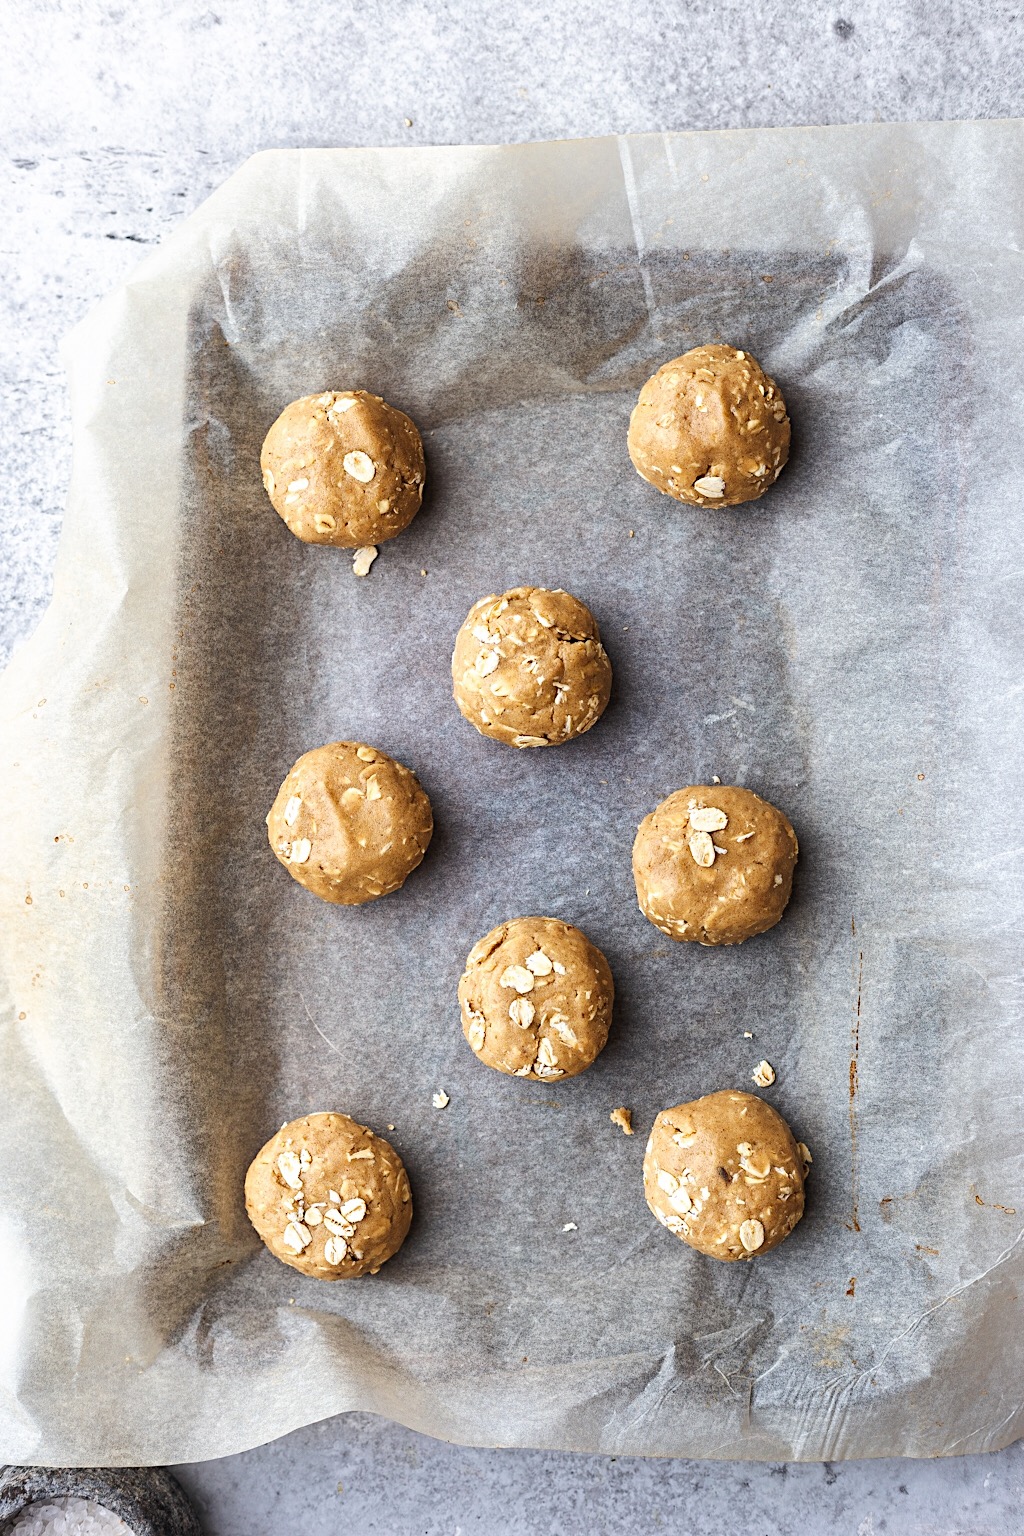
pixel 344 468
pixel 710 428
pixel 329 1197
pixel 349 823
pixel 713 864
pixel 725 1175
pixel 529 668
pixel 536 999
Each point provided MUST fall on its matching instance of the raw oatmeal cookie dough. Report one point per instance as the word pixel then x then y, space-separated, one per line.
pixel 349 823
pixel 536 999
pixel 714 864
pixel 529 668
pixel 725 1175
pixel 344 468
pixel 329 1197
pixel 710 428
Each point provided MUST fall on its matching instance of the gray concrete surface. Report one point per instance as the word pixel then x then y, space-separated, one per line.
pixel 360 1474
pixel 116 121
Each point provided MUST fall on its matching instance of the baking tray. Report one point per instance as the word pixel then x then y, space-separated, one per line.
pixel 840 647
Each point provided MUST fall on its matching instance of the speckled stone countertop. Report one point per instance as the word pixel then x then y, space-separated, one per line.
pixel 116 122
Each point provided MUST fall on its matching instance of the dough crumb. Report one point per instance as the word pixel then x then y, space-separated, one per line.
pixel 623 1118
pixel 748 1034
pixel 363 559
pixel 441 1099
pixel 763 1074
pixel 570 1226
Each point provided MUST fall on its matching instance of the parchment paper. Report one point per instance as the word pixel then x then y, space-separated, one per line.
pixel 850 647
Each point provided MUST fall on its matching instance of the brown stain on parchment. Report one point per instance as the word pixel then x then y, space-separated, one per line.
pixel 887 1202
pixel 854 1223
pixel 993 1205
pixel 831 1346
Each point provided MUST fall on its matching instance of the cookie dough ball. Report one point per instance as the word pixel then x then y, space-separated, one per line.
pixel 529 668
pixel 725 1175
pixel 344 468
pixel 349 823
pixel 329 1197
pixel 710 428
pixel 713 864
pixel 536 999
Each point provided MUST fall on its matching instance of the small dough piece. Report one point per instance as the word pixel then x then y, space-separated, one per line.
pixel 529 668
pixel 536 999
pixel 329 1197
pixel 349 823
pixel 344 468
pixel 714 864
pixel 725 1175
pixel 710 428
